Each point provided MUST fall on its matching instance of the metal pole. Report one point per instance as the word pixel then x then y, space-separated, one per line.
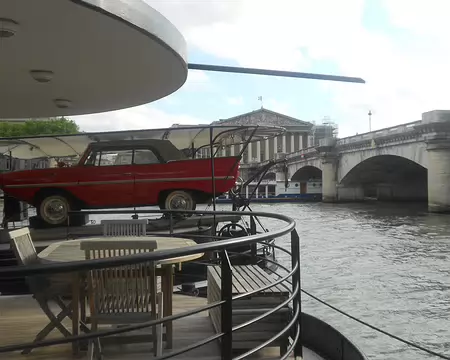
pixel 295 250
pixel 370 120
pixel 227 307
pixel 213 176
pixel 253 246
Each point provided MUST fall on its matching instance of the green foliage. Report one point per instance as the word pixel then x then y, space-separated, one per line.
pixel 38 127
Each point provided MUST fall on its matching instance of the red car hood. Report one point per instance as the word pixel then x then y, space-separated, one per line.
pixel 26 176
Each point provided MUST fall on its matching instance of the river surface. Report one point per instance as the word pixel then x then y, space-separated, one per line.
pixel 388 265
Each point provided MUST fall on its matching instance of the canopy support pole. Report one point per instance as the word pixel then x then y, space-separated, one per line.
pixel 213 176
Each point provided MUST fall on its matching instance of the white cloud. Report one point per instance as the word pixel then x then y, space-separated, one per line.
pixel 264 33
pixel 147 116
pixel 420 17
pixel 197 80
pixel 237 100
pixel 281 107
pixel 406 75
pixel 140 117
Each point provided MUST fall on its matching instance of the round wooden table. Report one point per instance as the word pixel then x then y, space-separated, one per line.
pixel 69 250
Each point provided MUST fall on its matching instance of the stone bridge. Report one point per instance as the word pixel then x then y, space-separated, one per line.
pixel 409 162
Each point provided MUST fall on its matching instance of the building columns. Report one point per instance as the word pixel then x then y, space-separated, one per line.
pixel 300 141
pixel 292 143
pixel 232 150
pixel 249 153
pixel 258 151
pixel 283 143
pixel 275 147
pixel 267 150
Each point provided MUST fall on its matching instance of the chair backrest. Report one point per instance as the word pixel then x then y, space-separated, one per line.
pixel 122 289
pixel 25 252
pixel 128 227
pixel 23 247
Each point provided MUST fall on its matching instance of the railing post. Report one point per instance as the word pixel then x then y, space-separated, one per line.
pixel 296 281
pixel 227 307
pixel 253 246
pixel 170 223
pixel 68 226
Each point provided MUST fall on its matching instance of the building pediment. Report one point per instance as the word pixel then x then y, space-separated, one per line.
pixel 264 117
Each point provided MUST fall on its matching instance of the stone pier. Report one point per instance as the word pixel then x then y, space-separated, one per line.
pixel 437 125
pixel 350 193
pixel 329 160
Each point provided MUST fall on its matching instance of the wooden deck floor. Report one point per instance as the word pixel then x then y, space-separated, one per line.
pixel 21 319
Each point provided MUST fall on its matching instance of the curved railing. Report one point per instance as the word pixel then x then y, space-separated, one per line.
pixel 303 329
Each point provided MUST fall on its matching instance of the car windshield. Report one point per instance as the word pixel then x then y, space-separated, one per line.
pixel 121 157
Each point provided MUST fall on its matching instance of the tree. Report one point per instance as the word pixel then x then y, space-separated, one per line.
pixel 51 126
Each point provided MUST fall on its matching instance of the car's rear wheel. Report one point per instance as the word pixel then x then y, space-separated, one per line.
pixel 179 200
pixel 54 209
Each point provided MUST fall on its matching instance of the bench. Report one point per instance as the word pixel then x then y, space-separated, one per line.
pixel 247 278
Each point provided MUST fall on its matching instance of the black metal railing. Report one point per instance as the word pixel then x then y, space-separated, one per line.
pixel 290 279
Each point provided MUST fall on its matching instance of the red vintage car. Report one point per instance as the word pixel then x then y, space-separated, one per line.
pixel 123 173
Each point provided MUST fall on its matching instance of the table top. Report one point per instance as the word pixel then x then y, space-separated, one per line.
pixel 69 250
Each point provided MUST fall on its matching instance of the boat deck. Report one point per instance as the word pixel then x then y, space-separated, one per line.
pixel 191 225
pixel 21 319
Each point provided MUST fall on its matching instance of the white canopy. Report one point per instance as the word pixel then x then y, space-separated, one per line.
pixel 73 57
pixel 182 137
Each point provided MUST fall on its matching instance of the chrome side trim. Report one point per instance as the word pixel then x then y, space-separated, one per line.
pixel 88 183
pixel 182 179
pixel 40 185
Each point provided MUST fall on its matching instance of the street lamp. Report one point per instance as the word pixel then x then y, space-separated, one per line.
pixel 370 120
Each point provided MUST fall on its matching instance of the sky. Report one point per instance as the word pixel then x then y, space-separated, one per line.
pixel 399 47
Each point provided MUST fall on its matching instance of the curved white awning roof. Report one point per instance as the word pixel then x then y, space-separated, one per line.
pixel 102 55
pixel 181 137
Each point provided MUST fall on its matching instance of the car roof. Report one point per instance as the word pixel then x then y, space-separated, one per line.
pixel 165 148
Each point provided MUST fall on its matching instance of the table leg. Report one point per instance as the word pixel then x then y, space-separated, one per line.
pixel 75 311
pixel 167 282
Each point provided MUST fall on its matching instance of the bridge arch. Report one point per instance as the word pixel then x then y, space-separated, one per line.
pixel 389 177
pixel 415 152
pixel 308 179
pixel 307 173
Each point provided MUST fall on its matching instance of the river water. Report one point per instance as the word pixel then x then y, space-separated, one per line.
pixel 388 265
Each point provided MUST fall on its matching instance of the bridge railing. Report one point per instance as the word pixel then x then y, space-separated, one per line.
pixel 398 129
pixel 305 151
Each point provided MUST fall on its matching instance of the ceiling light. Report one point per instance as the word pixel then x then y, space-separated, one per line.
pixel 42 76
pixel 62 103
pixel 8 28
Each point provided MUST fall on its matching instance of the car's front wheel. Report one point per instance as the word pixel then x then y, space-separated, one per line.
pixel 54 209
pixel 179 200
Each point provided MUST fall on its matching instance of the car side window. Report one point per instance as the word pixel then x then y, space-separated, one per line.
pixel 145 157
pixel 116 157
pixel 110 158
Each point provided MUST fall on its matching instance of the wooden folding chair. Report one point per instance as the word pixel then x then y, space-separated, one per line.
pixel 41 286
pixel 126 227
pixel 126 294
